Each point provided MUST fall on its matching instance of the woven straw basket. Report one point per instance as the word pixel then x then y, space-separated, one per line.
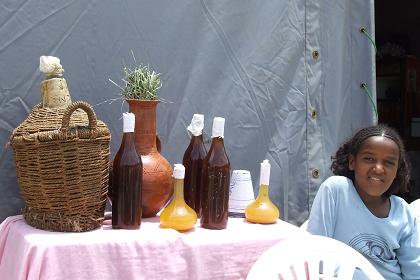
pixel 62 160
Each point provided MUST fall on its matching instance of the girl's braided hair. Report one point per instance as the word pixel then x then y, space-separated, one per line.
pixel 340 162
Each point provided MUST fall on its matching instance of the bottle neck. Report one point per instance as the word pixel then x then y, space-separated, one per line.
pixel 197 139
pixel 178 189
pixel 217 145
pixel 128 137
pixel 263 192
pixel 217 141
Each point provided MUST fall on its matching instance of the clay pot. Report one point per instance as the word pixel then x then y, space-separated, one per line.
pixel 157 186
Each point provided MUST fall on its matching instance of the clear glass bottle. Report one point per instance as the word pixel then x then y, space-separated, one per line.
pixel 215 181
pixel 178 215
pixel 126 180
pixel 262 210
pixel 193 161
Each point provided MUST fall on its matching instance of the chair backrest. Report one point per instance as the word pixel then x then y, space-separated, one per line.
pixel 311 257
pixel 415 208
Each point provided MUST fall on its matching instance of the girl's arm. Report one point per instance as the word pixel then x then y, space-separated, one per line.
pixel 323 213
pixel 408 254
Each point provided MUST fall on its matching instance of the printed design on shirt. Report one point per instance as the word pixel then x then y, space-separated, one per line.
pixel 372 246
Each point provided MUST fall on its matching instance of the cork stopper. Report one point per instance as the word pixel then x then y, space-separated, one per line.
pixel 54 90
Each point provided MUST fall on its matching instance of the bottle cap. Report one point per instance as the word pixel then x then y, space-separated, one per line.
pixel 197 124
pixel 265 172
pixel 179 171
pixel 128 122
pixel 218 127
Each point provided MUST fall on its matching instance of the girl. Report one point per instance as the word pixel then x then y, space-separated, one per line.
pixel 359 208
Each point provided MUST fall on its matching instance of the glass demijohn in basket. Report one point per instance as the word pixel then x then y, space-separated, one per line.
pixel 127 175
pixel 61 153
pixel 178 215
pixel 215 181
pixel 262 210
pixel 193 161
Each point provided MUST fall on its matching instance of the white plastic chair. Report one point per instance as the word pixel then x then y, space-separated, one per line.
pixel 415 208
pixel 304 225
pixel 312 257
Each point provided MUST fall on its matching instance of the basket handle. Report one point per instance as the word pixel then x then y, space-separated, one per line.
pixel 73 107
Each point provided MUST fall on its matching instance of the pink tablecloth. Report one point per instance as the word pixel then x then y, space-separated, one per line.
pixel 148 253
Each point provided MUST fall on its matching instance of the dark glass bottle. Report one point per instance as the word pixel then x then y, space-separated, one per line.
pixel 126 180
pixel 193 161
pixel 215 181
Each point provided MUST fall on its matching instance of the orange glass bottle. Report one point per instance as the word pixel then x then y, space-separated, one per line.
pixel 215 181
pixel 193 161
pixel 126 180
pixel 178 215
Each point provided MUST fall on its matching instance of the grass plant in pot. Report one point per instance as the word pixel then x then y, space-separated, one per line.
pixel 140 91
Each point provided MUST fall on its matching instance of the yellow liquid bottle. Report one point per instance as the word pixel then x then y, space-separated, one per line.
pixel 263 210
pixel 178 215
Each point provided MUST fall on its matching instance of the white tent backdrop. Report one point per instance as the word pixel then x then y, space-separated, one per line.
pixel 285 74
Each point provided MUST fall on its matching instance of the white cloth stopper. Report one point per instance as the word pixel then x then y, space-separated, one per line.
pixel 218 127
pixel 265 172
pixel 179 171
pixel 128 122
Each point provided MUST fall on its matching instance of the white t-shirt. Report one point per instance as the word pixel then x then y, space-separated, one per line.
pixel 392 244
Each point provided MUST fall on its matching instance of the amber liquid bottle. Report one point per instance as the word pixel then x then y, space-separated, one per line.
pixel 193 161
pixel 215 181
pixel 178 215
pixel 126 180
pixel 263 210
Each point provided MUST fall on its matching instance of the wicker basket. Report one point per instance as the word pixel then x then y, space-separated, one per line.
pixel 62 160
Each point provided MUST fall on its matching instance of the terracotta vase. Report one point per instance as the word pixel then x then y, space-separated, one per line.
pixel 157 185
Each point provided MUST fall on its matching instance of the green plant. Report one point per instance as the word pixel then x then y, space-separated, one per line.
pixel 140 83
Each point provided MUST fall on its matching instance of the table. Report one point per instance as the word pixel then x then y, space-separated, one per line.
pixel 151 252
